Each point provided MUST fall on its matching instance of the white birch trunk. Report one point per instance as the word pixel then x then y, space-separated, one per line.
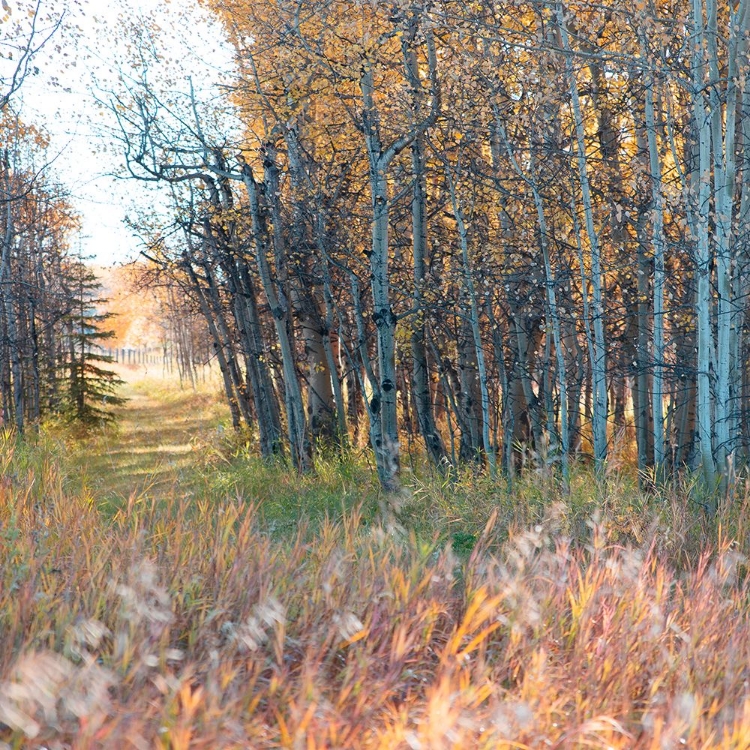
pixel 702 125
pixel 724 199
pixel 598 363
pixel 386 446
pixel 657 226
pixel 487 446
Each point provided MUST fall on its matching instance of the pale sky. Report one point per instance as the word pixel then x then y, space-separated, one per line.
pixel 84 159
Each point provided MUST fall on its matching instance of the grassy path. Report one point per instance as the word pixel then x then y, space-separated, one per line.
pixel 167 443
pixel 159 434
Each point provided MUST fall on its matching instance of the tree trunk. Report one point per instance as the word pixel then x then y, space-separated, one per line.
pixel 421 373
pixel 598 362
pixel 256 364
pixel 296 426
pixel 657 225
pixel 479 360
pixel 702 125
pixel 229 388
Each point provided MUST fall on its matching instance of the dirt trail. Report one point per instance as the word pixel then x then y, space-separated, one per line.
pixel 154 443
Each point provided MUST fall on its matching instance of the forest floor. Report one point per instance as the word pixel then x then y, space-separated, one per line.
pixel 162 587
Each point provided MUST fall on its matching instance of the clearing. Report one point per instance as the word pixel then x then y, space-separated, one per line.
pixel 158 434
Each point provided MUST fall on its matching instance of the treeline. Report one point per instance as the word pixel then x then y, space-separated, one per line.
pixel 52 322
pixel 504 226
pixel 51 325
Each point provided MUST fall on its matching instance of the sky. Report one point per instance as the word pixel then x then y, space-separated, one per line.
pixel 83 57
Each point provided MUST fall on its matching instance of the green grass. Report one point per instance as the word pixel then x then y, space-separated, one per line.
pixel 171 443
pixel 162 436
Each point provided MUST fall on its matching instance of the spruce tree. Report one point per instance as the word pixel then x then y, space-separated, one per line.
pixel 92 388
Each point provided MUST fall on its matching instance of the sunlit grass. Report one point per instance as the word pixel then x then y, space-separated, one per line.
pixel 163 433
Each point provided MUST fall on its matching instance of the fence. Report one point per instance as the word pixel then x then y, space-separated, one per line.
pixel 144 355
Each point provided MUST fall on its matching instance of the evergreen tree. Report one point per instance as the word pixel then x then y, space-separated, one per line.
pixel 92 388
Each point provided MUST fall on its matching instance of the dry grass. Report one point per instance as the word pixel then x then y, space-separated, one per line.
pixel 162 432
pixel 183 622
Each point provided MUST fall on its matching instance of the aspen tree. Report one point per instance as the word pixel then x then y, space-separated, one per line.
pixel 598 363
pixel 380 157
pixel 723 140
pixel 553 312
pixel 703 256
pixel 458 213
pixel 421 373
pixel 657 223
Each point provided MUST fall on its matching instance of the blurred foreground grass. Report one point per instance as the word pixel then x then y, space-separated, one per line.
pixel 188 595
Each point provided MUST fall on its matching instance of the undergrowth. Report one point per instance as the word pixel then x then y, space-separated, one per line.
pixel 253 608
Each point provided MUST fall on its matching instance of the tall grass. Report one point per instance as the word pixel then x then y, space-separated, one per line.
pixel 190 620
